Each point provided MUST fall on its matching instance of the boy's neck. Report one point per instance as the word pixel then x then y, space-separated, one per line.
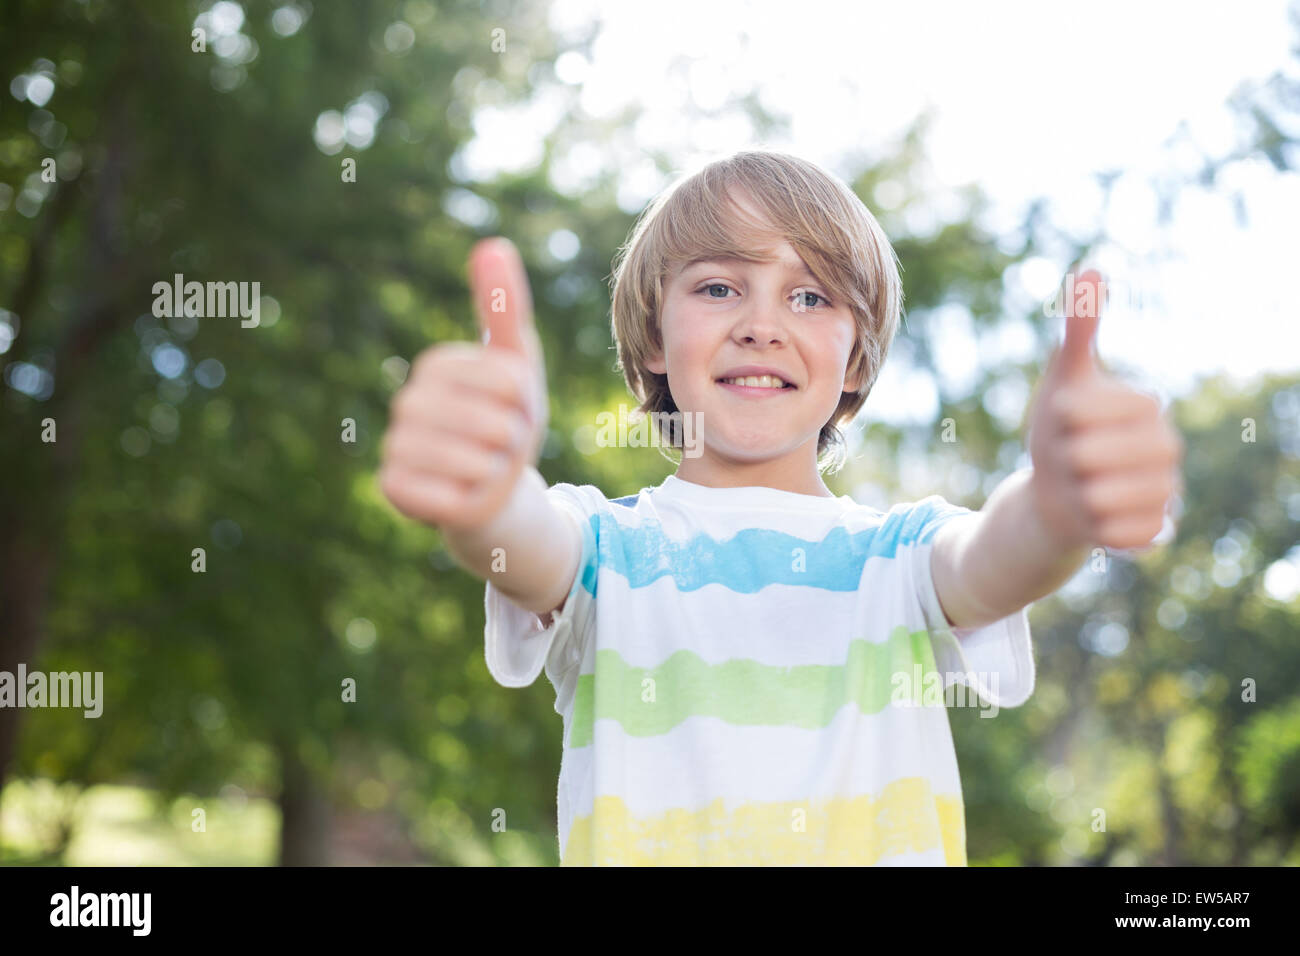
pixel 796 473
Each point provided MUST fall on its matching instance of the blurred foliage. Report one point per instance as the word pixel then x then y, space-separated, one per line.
pixel 224 688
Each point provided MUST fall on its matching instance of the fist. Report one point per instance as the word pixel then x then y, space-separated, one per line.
pixel 1106 460
pixel 471 417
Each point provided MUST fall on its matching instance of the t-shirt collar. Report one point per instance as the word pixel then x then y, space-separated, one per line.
pixel 748 496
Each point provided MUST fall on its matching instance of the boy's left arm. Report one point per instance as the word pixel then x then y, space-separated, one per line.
pixel 1105 461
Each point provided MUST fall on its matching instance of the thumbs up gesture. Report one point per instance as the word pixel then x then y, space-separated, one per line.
pixel 471 417
pixel 1105 458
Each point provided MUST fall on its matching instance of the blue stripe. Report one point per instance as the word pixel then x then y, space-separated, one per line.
pixel 755 557
pixel 590 535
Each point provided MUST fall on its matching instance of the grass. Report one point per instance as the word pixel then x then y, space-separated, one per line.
pixel 117 826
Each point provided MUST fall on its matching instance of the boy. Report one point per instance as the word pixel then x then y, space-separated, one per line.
pixel 736 653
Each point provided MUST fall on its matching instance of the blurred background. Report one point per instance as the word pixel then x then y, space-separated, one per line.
pixel 347 156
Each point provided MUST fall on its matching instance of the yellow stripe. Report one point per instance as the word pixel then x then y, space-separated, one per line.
pixel 907 817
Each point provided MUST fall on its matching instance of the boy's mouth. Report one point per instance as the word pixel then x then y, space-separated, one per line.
pixel 755 380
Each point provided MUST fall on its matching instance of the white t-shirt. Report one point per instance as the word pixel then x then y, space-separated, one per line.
pixel 752 676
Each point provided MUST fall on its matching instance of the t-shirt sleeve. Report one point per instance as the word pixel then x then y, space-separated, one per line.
pixel 517 644
pixel 996 659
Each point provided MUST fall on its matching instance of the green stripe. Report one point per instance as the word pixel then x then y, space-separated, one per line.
pixel 746 692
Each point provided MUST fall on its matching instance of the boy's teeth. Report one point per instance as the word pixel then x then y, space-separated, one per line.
pixel 757 381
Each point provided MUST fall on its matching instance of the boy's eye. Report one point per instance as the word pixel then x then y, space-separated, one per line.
pixel 818 297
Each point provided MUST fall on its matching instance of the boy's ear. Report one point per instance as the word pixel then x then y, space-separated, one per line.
pixel 855 373
pixel 654 362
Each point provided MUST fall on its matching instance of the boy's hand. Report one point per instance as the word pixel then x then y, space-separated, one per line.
pixel 471 417
pixel 1105 458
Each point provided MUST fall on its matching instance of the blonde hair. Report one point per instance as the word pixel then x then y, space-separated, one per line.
pixel 821 218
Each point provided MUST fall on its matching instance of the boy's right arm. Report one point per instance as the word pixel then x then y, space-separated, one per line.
pixel 463 438
pixel 541 547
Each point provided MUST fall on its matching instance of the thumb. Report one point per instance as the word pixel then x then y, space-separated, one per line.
pixel 502 297
pixel 1083 314
pixel 505 310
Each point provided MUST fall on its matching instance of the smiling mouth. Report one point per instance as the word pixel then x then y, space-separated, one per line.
pixel 757 382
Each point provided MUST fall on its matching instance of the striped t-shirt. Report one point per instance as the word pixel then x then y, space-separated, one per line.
pixel 752 676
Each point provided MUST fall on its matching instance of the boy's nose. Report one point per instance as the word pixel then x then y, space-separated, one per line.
pixel 761 328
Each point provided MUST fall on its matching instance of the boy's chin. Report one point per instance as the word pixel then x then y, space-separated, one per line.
pixel 751 452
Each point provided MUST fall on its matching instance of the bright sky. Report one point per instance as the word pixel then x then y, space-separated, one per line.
pixel 1030 100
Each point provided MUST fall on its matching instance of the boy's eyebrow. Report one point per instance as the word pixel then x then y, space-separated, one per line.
pixel 801 267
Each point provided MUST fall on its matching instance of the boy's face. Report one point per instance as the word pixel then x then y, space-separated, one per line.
pixel 725 319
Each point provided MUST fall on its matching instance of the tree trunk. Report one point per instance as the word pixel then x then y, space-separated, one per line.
pixel 1170 817
pixel 1240 849
pixel 32 524
pixel 26 565
pixel 304 814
